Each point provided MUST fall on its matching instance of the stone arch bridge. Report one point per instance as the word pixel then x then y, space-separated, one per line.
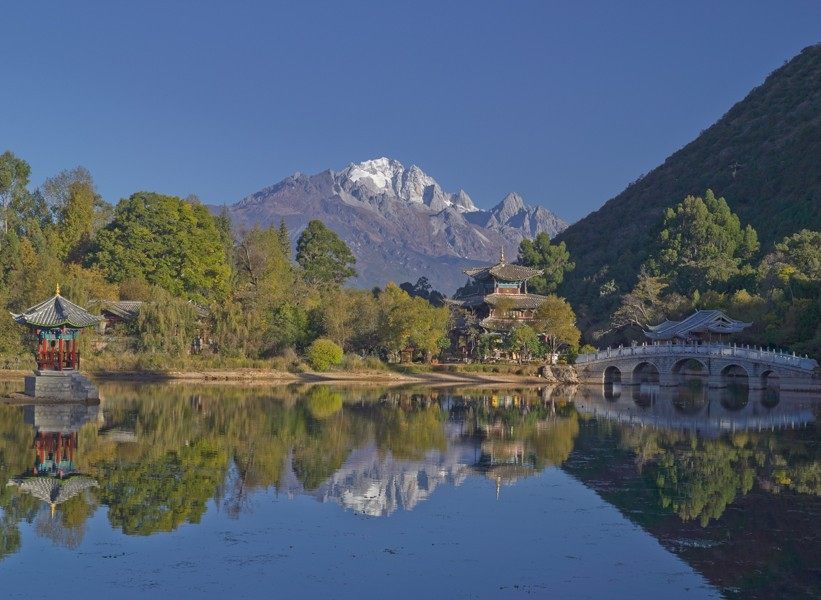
pixel 720 364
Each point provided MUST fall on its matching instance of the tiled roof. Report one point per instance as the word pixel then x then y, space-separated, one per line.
pixel 701 321
pixel 518 301
pixel 125 309
pixel 56 312
pixel 503 272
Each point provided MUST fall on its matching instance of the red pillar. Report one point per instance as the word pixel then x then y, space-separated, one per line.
pixel 60 354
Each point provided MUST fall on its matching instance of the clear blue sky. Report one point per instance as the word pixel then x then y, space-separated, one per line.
pixel 564 102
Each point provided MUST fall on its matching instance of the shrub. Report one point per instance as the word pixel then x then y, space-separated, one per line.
pixel 323 353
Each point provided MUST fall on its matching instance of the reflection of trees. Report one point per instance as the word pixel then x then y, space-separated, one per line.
pixel 545 430
pixel 698 478
pixel 160 494
pixel 409 432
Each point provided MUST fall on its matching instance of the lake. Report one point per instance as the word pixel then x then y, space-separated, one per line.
pixel 343 492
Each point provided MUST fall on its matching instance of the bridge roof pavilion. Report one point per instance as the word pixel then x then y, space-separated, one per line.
pixel 695 326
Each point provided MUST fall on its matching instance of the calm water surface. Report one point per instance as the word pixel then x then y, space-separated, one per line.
pixel 220 491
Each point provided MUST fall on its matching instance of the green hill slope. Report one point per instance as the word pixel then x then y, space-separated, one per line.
pixel 763 156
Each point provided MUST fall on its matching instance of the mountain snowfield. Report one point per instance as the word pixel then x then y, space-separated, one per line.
pixel 399 222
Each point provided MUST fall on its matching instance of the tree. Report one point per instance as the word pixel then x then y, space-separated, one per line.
pixel 797 258
pixel 325 259
pixel 643 305
pixel 75 222
pixel 524 341
pixel 14 177
pixel 556 321
pixel 264 271
pixel 423 289
pixel 324 353
pixel 702 244
pixel 168 242
pixel 553 260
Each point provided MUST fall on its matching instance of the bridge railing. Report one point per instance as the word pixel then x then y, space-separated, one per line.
pixel 776 357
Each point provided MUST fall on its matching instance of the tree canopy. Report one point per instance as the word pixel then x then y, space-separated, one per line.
pixel 702 244
pixel 169 242
pixel 552 259
pixel 323 256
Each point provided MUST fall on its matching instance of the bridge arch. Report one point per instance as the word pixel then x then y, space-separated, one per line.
pixel 735 373
pixel 646 372
pixel 769 378
pixel 688 364
pixel 612 374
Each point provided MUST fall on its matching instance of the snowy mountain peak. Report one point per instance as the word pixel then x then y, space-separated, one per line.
pixel 388 176
pixel 381 172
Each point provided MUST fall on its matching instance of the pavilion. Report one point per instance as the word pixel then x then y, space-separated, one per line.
pixel 701 326
pixel 57 323
pixel 498 295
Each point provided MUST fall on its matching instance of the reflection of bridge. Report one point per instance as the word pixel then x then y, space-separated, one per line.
pixel 707 413
pixel 719 363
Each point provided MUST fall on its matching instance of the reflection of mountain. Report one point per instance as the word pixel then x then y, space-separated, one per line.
pixel 375 483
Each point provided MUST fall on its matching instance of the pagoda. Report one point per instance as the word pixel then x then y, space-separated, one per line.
pixel 57 322
pixel 498 295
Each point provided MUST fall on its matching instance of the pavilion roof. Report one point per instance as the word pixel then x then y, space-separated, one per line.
pixel 503 271
pixel 53 490
pixel 517 301
pixel 56 312
pixel 701 321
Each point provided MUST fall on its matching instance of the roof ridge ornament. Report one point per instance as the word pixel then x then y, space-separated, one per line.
pixel 502 256
pixel 57 290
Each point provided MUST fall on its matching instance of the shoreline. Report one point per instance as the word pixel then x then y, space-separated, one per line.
pixel 264 376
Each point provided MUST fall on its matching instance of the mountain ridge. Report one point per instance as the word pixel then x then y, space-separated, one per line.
pixel 762 156
pixel 399 222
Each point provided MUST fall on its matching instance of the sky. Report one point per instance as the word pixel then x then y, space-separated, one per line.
pixel 563 102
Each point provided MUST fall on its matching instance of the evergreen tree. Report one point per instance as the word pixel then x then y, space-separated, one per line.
pixel 325 259
pixel 553 260
pixel 702 245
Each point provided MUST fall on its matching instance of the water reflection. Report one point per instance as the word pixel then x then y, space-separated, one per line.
pixel 155 456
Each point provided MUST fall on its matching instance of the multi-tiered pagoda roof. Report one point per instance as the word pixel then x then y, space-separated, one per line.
pixel 498 294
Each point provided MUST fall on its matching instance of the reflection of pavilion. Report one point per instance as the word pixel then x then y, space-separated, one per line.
pixel 53 477
pixel 696 409
pixel 505 462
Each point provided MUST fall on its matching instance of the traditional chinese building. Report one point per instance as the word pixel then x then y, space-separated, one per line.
pixel 56 323
pixel 498 295
pixel 701 326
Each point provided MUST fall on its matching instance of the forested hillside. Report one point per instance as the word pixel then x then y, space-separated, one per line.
pixel 763 157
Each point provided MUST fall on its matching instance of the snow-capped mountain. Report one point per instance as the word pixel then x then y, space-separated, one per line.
pixel 398 221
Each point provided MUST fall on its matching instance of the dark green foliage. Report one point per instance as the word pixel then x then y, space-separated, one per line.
pixel 325 259
pixel 553 259
pixel 762 156
pixel 702 245
pixel 171 243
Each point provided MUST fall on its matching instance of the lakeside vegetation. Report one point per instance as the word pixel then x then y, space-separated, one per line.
pixel 215 298
pixel 242 297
